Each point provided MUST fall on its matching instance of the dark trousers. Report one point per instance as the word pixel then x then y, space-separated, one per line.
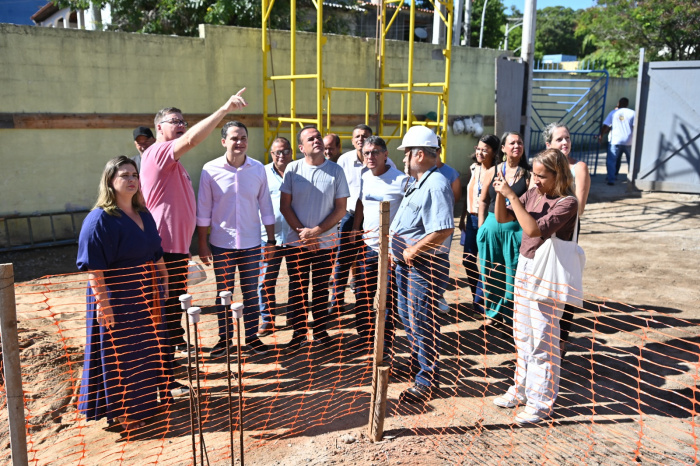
pixel 366 289
pixel 247 261
pixel 345 255
pixel 470 262
pixel 300 264
pixel 269 271
pixel 176 264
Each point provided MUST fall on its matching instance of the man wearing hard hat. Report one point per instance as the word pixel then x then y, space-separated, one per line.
pixel 420 235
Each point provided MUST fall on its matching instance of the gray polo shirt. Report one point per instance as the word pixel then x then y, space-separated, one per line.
pixel 314 190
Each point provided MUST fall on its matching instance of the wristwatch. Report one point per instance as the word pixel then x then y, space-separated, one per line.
pixel 271 242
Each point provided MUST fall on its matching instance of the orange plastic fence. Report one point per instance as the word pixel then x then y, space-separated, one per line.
pixel 628 388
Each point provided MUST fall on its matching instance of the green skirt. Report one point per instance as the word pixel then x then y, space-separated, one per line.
pixel 499 247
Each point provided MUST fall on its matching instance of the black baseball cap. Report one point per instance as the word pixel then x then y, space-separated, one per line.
pixel 142 131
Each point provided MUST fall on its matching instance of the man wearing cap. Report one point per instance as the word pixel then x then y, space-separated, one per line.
pixel 169 196
pixel 143 139
pixel 418 235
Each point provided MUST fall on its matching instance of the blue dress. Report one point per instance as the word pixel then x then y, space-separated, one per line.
pixel 127 366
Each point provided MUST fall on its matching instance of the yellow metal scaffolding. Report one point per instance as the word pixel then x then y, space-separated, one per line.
pixel 392 122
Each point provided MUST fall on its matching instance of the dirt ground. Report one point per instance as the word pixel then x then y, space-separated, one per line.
pixel 628 388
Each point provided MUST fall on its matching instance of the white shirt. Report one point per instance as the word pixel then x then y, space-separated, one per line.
pixel 621 122
pixel 232 201
pixel 354 169
pixel 391 187
pixel 274 183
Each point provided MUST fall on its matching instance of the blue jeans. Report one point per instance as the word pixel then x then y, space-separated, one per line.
pixel 470 262
pixel 367 285
pixel 345 256
pixel 269 271
pixel 614 160
pixel 225 263
pixel 416 294
pixel 300 264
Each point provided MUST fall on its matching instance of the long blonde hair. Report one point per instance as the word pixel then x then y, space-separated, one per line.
pixel 556 162
pixel 106 198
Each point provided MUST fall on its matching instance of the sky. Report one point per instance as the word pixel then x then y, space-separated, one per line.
pixel 19 11
pixel 573 4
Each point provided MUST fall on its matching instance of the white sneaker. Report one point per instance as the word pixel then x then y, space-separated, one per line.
pixel 182 390
pixel 442 305
pixel 530 415
pixel 507 401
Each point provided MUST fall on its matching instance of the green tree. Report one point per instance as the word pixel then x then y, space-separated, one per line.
pixel 555 33
pixel 183 17
pixel 667 29
pixel 493 23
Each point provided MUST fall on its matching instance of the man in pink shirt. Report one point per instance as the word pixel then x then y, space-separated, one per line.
pixel 169 196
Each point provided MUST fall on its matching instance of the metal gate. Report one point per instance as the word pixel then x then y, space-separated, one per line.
pixel 575 98
pixel 666 151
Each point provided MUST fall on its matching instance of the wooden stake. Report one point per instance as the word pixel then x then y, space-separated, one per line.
pixel 10 357
pixel 380 375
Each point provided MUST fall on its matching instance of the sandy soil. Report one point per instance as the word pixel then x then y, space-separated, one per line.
pixel 628 391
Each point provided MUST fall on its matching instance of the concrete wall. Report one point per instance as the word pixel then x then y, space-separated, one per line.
pixel 73 71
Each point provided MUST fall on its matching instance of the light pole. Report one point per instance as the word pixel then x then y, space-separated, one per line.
pixel 518 22
pixel 481 31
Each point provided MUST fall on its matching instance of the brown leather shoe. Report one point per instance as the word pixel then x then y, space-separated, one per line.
pixel 265 329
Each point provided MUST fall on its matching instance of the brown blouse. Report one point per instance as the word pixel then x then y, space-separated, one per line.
pixel 551 216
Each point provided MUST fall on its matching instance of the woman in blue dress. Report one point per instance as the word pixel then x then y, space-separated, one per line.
pixel 127 366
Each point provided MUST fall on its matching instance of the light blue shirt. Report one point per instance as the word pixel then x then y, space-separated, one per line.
pixel 282 228
pixel 448 172
pixel 314 189
pixel 427 207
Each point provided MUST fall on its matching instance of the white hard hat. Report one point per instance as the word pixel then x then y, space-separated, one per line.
pixel 419 136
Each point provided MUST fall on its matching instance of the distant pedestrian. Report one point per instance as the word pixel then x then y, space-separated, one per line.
pixel 620 123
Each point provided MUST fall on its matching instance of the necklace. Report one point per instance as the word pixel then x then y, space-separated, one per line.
pixel 515 175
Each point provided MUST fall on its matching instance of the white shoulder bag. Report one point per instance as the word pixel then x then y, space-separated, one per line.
pixel 557 273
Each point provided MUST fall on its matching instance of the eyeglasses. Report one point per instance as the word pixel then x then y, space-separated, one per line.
pixel 281 152
pixel 373 153
pixel 175 122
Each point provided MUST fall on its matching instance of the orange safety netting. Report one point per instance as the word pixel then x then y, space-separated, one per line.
pixel 627 392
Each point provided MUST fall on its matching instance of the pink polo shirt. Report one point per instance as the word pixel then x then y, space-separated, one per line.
pixel 169 195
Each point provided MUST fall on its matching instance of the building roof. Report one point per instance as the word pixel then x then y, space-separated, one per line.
pixel 44 13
